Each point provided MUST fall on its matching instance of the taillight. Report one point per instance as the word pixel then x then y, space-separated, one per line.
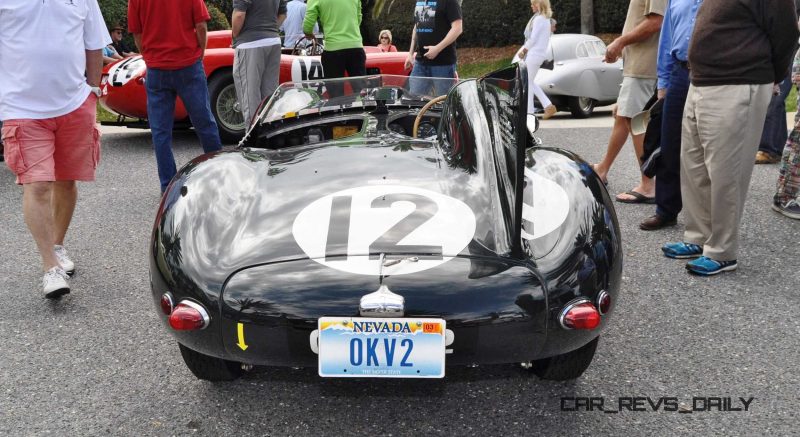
pixel 166 303
pixel 603 302
pixel 188 316
pixel 579 314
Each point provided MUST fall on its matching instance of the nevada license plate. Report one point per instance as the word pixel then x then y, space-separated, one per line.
pixel 381 348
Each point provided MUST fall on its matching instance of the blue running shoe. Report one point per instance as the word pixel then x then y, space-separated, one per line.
pixel 706 266
pixel 681 250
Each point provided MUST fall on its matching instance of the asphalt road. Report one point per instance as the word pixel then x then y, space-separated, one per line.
pixel 99 362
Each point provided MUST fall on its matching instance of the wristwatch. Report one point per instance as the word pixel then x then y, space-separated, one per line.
pixel 96 90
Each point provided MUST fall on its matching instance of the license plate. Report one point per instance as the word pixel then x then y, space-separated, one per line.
pixel 381 348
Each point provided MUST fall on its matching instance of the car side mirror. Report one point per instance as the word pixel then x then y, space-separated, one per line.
pixel 533 124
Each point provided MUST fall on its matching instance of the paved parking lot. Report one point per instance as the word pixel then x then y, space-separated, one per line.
pixel 98 361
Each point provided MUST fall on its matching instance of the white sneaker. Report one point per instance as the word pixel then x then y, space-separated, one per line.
pixel 54 283
pixel 63 259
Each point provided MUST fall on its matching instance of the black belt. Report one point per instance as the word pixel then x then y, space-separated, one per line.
pixel 683 64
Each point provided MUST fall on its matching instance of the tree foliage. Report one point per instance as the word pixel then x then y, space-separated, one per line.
pixel 486 23
pixel 496 23
pixel 115 12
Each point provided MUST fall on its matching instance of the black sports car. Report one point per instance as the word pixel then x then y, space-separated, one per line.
pixel 373 232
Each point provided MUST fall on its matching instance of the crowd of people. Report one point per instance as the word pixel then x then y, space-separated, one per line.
pixel 720 67
pixel 722 70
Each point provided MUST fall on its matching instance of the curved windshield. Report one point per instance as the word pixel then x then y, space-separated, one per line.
pixel 294 99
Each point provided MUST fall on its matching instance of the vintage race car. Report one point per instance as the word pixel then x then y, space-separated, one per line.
pixel 375 232
pixel 575 77
pixel 123 91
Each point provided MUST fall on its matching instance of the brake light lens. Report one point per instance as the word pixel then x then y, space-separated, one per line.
pixel 579 315
pixel 167 303
pixel 189 316
pixel 603 302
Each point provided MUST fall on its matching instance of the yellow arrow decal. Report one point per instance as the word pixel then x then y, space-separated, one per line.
pixel 240 331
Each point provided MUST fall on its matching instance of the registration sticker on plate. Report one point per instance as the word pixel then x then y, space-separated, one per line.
pixel 381 348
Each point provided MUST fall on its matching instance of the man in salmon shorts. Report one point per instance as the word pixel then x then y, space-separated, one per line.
pixel 48 99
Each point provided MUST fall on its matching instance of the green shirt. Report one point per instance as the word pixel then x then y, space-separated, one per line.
pixel 340 20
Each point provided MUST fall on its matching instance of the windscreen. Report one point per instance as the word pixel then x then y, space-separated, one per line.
pixel 293 99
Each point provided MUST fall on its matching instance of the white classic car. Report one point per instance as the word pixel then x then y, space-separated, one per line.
pixel 575 77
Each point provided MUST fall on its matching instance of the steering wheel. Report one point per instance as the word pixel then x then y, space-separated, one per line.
pixel 315 50
pixel 422 112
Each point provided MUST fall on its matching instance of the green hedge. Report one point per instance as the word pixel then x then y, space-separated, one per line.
pixel 609 15
pixel 116 12
pixel 486 22
pixel 493 23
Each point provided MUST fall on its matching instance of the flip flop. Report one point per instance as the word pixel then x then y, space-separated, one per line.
pixel 637 198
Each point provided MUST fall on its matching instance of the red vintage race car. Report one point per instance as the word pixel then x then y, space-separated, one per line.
pixel 123 90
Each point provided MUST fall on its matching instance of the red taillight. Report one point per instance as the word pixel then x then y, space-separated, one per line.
pixel 603 302
pixel 166 303
pixel 188 316
pixel 579 315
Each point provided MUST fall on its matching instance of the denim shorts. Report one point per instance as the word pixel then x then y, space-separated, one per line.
pixel 421 86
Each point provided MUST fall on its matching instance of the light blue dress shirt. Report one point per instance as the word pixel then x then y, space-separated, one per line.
pixel 292 26
pixel 676 31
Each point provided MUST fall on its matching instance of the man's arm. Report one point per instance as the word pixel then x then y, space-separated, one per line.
pixel 137 40
pixel 281 13
pixel 237 22
pixel 650 25
pixel 410 58
pixel 201 29
pixel 311 18
pixel 453 34
pixel 782 34
pixel 94 66
pixel 664 61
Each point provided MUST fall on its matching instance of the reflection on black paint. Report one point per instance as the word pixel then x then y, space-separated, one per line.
pixel 338 226
pixel 424 210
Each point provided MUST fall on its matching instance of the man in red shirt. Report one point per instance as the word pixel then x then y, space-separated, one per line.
pixel 171 36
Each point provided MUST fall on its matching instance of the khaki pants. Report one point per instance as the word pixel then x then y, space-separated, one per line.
pixel 721 130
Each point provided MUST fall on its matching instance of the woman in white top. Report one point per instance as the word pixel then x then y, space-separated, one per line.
pixel 533 52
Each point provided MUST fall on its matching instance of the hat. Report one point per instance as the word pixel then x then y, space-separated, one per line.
pixel 116 27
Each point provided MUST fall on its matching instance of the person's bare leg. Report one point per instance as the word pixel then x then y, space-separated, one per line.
pixel 619 134
pixel 37 209
pixel 64 198
pixel 647 186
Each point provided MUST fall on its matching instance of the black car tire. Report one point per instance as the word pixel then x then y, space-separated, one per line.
pixel 566 366
pixel 210 368
pixel 224 106
pixel 581 107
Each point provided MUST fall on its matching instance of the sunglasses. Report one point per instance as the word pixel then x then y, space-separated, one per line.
pixel 384 37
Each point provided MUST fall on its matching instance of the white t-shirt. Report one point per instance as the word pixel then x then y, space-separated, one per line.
pixel 42 55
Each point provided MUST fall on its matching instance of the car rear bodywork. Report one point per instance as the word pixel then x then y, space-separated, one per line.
pixel 531 229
